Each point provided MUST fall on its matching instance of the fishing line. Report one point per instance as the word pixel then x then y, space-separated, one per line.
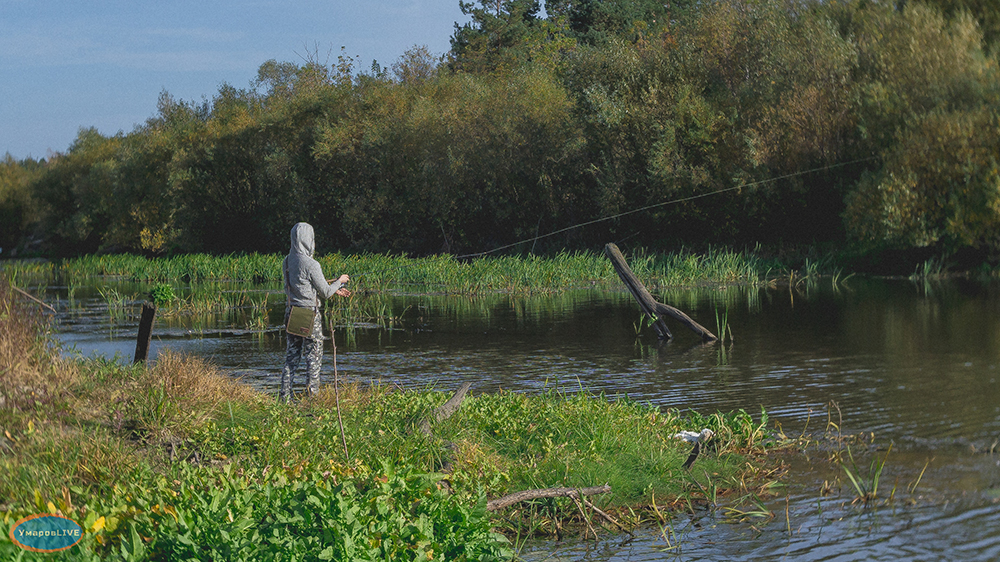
pixel 665 203
pixel 648 207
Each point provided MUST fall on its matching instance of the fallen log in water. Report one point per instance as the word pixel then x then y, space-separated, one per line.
pixel 655 310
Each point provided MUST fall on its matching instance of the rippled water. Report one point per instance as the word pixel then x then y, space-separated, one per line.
pixel 913 363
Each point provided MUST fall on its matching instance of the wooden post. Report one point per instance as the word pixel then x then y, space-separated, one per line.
pixel 145 332
pixel 655 310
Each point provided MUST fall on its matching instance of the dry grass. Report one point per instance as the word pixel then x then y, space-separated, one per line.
pixel 352 395
pixel 29 372
pixel 474 459
pixel 196 383
pixel 104 459
pixel 173 397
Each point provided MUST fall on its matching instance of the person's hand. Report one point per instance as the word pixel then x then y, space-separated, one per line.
pixel 343 279
pixel 343 292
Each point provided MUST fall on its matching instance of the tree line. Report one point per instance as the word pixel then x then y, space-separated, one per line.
pixel 861 122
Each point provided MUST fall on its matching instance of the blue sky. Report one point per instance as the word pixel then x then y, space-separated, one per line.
pixel 67 64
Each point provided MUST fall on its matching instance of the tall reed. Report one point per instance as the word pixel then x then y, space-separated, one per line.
pixel 865 484
pixel 379 272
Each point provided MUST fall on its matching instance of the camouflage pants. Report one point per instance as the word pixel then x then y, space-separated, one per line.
pixel 296 349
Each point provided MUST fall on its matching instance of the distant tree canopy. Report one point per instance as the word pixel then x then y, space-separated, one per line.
pixel 985 12
pixel 726 121
pixel 598 22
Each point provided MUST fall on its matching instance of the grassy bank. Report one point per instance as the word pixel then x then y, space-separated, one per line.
pixel 176 460
pixel 377 272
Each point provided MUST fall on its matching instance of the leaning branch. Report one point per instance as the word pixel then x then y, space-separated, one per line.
pixel 655 310
pixel 605 515
pixel 32 297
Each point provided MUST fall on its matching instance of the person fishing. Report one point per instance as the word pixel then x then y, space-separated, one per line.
pixel 304 285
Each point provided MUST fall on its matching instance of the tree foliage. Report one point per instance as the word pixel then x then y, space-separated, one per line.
pixel 727 121
pixel 18 209
pixel 986 13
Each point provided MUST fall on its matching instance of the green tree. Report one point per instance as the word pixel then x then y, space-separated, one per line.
pixel 415 66
pixel 145 198
pixel 502 36
pixel 18 207
pixel 72 189
pixel 940 185
pixel 599 22
pixel 927 103
pixel 986 13
pixel 458 163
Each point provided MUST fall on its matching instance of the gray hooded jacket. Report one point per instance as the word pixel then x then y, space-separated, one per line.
pixel 304 281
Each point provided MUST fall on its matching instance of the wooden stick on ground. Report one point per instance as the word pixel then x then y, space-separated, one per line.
pixel 336 393
pixel 583 514
pixel 605 515
pixel 447 409
pixel 442 413
pixel 511 499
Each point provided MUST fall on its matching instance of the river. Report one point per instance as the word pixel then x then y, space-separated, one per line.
pixel 911 365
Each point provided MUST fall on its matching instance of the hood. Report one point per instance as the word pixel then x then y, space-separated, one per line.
pixel 303 239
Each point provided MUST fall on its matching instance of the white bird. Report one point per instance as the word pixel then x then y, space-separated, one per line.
pixel 697 439
pixel 692 437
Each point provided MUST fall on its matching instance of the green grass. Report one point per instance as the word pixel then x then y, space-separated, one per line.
pixel 722 325
pixel 198 513
pixel 126 430
pixel 156 449
pixel 931 268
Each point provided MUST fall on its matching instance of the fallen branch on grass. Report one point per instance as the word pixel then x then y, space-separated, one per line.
pixel 604 515
pixel 442 413
pixel 446 409
pixel 575 493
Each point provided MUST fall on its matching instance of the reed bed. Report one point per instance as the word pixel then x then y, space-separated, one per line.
pixel 186 268
pixel 441 273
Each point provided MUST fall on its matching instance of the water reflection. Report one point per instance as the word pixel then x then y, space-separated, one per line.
pixel 914 363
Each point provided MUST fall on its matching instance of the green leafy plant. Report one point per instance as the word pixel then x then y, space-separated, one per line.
pixel 116 302
pixel 162 294
pixel 395 514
